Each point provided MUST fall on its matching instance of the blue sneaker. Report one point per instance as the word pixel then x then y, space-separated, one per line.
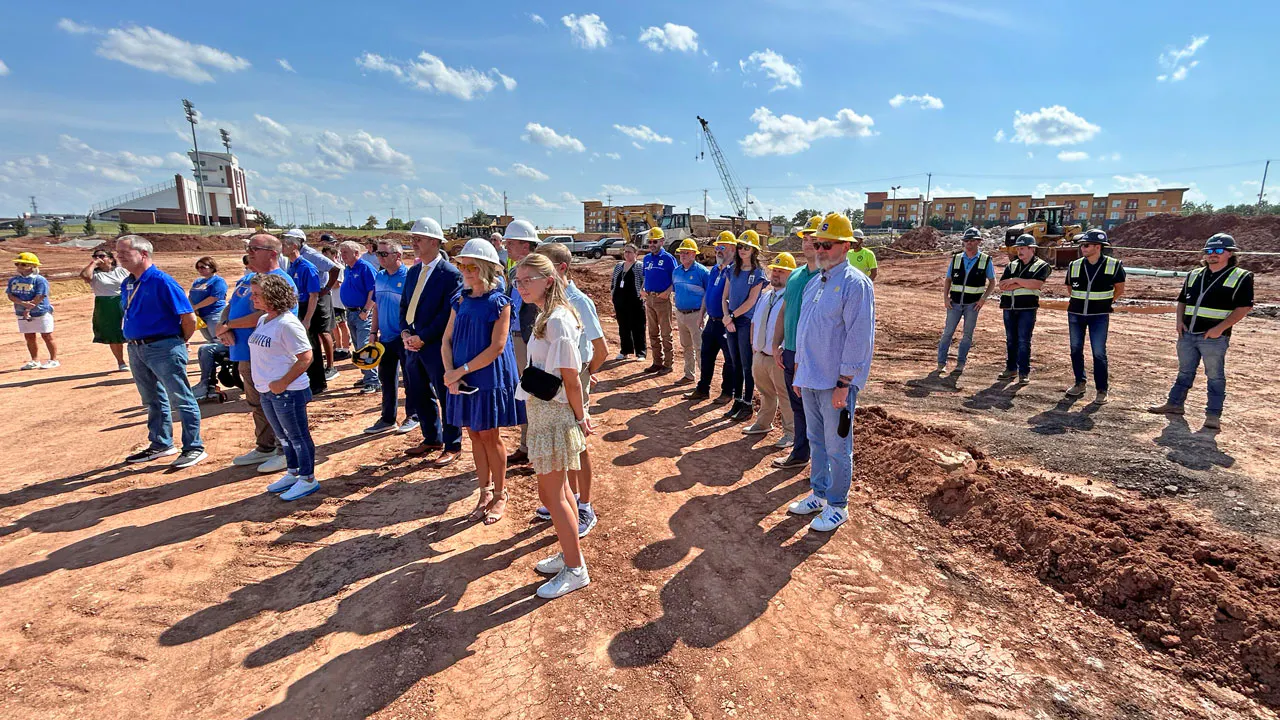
pixel 300 489
pixel 285 482
pixel 586 520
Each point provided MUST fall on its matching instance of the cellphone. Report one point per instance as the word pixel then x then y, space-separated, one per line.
pixel 465 389
pixel 846 419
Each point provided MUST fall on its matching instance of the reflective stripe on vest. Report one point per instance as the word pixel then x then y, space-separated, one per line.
pixel 1231 282
pixel 1033 268
pixel 1084 295
pixel 958 264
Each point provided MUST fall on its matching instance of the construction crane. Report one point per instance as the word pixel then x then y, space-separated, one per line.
pixel 726 173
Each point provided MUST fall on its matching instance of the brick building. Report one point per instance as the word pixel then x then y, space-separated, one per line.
pixel 1101 210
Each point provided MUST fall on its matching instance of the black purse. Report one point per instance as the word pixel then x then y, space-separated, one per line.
pixel 540 383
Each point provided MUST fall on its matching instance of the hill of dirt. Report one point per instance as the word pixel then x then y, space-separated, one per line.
pixel 1176 232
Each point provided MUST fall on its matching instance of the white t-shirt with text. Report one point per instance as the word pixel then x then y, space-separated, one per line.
pixel 274 347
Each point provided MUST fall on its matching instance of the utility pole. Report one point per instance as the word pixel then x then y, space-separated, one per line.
pixel 893 221
pixel 927 193
pixel 35 210
pixel 408 209
pixel 321 214
pixel 440 215
pixel 608 200
pixel 704 202
pixel 504 202
pixel 349 222
pixel 307 199
pixel 191 118
pixel 1262 192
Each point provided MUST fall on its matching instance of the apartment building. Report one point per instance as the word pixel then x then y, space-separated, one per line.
pixel 883 210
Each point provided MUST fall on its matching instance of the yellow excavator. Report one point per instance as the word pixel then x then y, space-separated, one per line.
pixel 1055 238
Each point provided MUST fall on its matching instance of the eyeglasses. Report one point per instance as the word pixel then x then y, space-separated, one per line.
pixel 385 253
pixel 1214 251
pixel 468 266
pixel 203 267
pixel 104 257
pixel 525 281
pixel 824 244
pixel 252 248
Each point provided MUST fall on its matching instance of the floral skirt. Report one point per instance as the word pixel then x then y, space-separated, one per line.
pixel 555 440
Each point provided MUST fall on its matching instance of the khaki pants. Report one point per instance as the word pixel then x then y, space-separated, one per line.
pixel 690 325
pixel 522 359
pixel 657 313
pixel 773 393
pixel 263 435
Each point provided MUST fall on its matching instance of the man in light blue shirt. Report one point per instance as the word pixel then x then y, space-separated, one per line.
pixel 835 338
pixel 971 276
pixel 690 280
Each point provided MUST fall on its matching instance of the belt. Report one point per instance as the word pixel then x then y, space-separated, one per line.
pixel 689 312
pixel 153 338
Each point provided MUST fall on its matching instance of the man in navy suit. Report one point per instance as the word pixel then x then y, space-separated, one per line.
pixel 429 290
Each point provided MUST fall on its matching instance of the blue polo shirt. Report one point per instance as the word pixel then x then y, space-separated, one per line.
pixel 306 280
pixel 356 284
pixel 657 271
pixel 740 285
pixel 241 304
pixel 153 305
pixel 691 286
pixel 715 291
pixel 27 287
pixel 204 288
pixel 389 287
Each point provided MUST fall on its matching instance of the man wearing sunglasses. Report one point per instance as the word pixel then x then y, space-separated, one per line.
pixel 971 276
pixel 835 338
pixel 1095 282
pixel 1213 298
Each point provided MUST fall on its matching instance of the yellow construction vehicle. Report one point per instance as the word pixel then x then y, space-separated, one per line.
pixel 1054 237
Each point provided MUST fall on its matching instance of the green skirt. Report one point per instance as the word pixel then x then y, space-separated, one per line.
pixel 108 320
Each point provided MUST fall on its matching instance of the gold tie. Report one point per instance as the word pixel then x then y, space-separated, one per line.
pixel 417 293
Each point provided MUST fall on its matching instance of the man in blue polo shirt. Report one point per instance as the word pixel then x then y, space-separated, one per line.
pixel 306 278
pixel 356 292
pixel 238 322
pixel 690 281
pixel 713 334
pixel 658 269
pixel 388 290
pixel 158 320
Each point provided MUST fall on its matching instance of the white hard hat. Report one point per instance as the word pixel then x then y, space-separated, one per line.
pixel 427 226
pixel 480 249
pixel 522 230
pixel 858 234
pixel 297 234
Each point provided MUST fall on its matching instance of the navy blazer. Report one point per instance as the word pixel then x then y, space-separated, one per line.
pixel 429 322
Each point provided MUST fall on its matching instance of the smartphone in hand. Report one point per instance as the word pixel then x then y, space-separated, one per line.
pixel 465 389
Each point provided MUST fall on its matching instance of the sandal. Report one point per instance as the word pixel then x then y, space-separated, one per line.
pixel 486 497
pixel 493 513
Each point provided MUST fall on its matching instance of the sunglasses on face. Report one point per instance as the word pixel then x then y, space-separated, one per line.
pixel 202 267
pixel 823 245
pixel 1214 251
pixel 385 253
pixel 252 248
pixel 468 266
pixel 104 257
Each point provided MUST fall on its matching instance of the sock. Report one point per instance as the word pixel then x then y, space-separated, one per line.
pixel 584 505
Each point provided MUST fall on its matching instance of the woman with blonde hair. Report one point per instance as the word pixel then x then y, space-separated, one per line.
pixel 558 421
pixel 480 372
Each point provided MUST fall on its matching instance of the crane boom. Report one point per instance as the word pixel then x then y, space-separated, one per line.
pixel 726 174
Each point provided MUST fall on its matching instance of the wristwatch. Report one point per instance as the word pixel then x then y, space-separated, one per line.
pixel 842 383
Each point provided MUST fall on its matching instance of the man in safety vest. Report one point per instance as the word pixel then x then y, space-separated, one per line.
pixel 971 276
pixel 1020 298
pixel 1213 298
pixel 1096 282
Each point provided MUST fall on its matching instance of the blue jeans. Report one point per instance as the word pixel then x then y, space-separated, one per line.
pixel 160 372
pixel 207 355
pixel 359 338
pixel 970 315
pixel 743 384
pixel 1191 350
pixel 1018 325
pixel 1097 326
pixel 831 456
pixel 287 413
pixel 799 451
pixel 713 344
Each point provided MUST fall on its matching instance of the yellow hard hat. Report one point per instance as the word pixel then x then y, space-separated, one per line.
pixel 750 237
pixel 28 258
pixel 367 357
pixel 687 244
pixel 835 227
pixel 726 238
pixel 656 234
pixel 200 323
pixel 812 227
pixel 784 261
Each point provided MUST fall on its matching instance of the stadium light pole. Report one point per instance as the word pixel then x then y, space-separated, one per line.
pixel 195 163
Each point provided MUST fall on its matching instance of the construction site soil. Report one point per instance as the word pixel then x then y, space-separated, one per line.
pixel 1009 554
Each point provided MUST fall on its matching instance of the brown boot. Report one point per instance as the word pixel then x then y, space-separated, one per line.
pixel 1166 409
pixel 1212 422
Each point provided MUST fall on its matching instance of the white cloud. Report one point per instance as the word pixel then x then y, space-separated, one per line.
pixel 926 102
pixel 103 163
pixel 613 156
pixel 147 48
pixel 113 174
pixel 429 73
pixel 788 134
pixel 1177 61
pixel 496 171
pixel 999 136
pixel 337 156
pixel 619 190
pixel 824 199
pixel 679 38
pixel 548 138
pixel 4 69
pixel 426 196
pixel 1073 155
pixel 642 133
pixel 1053 125
pixel 528 172
pixel 715 65
pixel 1135 183
pixel 535 17
pixel 568 197
pixel 1063 188
pixel 636 145
pixel 774 65
pixel 589 31
pixel 542 204
pixel 284 64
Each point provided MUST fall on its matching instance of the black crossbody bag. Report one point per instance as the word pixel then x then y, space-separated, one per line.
pixel 540 383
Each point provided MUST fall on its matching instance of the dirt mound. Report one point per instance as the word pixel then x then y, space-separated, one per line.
pixel 921 239
pixel 1208 598
pixel 1176 232
pixel 165 242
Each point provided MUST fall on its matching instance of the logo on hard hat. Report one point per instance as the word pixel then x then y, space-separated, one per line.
pixel 825 227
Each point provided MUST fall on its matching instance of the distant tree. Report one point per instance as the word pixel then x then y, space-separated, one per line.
pixel 55 227
pixel 1190 208
pixel 778 220
pixel 265 219
pixel 855 216
pixel 329 226
pixel 886 224
pixel 479 217
pixel 935 222
pixel 989 224
pixel 802 216
pixel 124 229
pixel 89 229
pixel 370 224
pixel 395 224
pixel 19 227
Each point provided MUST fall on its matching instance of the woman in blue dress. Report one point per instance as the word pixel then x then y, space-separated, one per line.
pixel 481 373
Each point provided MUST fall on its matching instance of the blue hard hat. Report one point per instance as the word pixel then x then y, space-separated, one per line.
pixel 1025 240
pixel 1220 240
pixel 972 234
pixel 1093 236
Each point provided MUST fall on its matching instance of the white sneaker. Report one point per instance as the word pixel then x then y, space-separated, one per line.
pixel 331 374
pixel 253 457
pixel 407 427
pixel 274 464
pixel 50 365
pixel 285 482
pixel 830 519
pixel 619 357
pixel 300 489
pixel 30 365
pixel 123 367
pixel 807 506
pixel 756 430
pixel 552 565
pixel 786 441
pixel 565 582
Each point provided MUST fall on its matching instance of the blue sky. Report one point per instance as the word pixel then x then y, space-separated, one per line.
pixel 451 104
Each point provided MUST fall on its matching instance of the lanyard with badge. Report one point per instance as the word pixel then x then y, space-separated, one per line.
pixel 137 285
